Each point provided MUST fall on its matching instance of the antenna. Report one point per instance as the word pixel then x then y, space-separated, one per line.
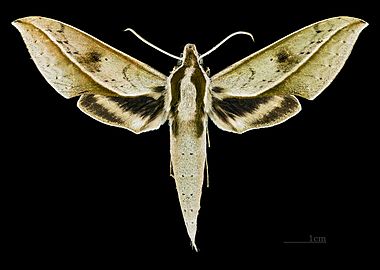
pixel 152 45
pixel 224 40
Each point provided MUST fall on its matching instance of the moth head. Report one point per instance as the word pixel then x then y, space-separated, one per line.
pixel 190 55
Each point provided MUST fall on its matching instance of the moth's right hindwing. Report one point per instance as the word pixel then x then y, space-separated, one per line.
pixel 240 114
pixel 113 85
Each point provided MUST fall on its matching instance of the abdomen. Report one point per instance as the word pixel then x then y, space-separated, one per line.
pixel 188 158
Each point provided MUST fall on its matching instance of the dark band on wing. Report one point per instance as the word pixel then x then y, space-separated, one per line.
pixel 238 114
pixel 234 107
pixel 90 103
pixel 144 106
pixel 288 105
pixel 135 113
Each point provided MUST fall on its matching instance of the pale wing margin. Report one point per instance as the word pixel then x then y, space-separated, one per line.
pixel 60 51
pixel 303 64
pixel 75 63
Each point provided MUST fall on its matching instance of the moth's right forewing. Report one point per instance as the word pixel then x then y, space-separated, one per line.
pixel 259 91
pixel 317 73
pixel 74 62
pixel 303 63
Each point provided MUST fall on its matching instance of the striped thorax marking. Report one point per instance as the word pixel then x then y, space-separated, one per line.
pixel 187 105
pixel 188 84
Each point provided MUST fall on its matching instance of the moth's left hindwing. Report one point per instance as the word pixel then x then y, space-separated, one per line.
pixel 259 91
pixel 138 114
pixel 115 88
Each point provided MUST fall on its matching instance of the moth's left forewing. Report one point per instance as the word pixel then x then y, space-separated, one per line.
pixel 301 64
pixel 48 39
pixel 115 88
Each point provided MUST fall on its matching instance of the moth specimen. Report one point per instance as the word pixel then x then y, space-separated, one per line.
pixel 256 92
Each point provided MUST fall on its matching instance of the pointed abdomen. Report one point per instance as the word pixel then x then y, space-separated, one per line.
pixel 188 157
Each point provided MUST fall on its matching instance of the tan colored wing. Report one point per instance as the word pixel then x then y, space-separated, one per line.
pixel 303 63
pixel 137 114
pixel 238 115
pixel 74 62
pixel 259 91
pixel 115 88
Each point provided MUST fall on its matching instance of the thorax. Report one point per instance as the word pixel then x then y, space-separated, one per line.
pixel 187 89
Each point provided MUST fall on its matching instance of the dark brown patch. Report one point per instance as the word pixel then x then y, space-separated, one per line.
pixel 286 60
pixel 91 61
pixel 144 106
pixel 159 89
pixel 174 126
pixel 217 89
pixel 94 57
pixel 287 106
pixel 89 102
pixel 199 82
pixel 236 107
pixel 62 29
pixel 175 83
pixel 282 56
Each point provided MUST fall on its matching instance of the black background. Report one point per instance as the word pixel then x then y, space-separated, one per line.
pixel 82 191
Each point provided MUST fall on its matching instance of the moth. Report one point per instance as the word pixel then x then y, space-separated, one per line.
pixel 256 92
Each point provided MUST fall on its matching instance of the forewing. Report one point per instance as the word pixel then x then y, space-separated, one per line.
pixel 74 62
pixel 303 63
pixel 259 91
pixel 116 89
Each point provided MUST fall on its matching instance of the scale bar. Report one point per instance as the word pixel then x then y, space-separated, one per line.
pixel 304 242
